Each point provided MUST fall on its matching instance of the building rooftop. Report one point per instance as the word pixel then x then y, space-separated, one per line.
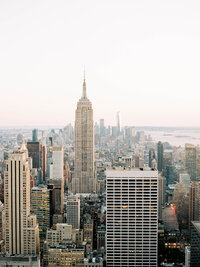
pixel 131 173
pixel 196 225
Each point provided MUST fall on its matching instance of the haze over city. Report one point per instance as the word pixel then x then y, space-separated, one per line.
pixel 99 133
pixel 141 57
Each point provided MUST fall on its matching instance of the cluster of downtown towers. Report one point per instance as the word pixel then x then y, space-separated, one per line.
pixel 131 200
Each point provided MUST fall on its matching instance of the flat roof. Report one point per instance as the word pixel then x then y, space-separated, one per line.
pixel 131 173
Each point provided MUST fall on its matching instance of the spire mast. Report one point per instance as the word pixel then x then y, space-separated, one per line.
pixel 84 86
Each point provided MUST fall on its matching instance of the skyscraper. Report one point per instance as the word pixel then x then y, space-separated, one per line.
pixel 191 161
pixel 57 198
pixel 152 156
pixel 132 218
pixel 84 179
pixel 21 228
pixel 194 202
pixel 41 206
pixel 160 156
pixel 57 166
pixel 161 195
pixel 118 122
pixel 44 156
pixel 102 127
pixel 35 135
pixel 35 152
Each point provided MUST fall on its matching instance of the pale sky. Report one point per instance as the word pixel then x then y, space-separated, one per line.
pixel 141 57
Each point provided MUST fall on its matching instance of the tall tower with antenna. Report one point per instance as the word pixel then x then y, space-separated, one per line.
pixel 84 177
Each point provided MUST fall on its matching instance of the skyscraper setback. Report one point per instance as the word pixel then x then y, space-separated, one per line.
pixel 84 179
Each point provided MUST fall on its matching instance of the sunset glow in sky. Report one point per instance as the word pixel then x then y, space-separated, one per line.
pixel 141 57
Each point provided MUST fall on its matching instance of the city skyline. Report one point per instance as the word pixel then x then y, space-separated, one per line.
pixel 99 133
pixel 141 60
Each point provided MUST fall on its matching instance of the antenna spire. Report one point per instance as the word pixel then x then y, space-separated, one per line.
pixel 84 86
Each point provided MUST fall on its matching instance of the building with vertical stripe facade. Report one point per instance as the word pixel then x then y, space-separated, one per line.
pixel 21 228
pixel 132 218
pixel 84 178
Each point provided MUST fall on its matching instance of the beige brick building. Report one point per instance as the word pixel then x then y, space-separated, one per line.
pixel 21 228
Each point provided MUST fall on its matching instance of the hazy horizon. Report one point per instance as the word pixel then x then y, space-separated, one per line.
pixel 141 58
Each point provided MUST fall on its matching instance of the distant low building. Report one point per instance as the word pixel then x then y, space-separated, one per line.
pixel 19 261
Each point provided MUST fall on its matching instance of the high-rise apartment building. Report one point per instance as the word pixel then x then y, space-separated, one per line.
pixel 21 228
pixel 84 178
pixel 160 156
pixel 73 211
pixel 191 161
pixel 132 218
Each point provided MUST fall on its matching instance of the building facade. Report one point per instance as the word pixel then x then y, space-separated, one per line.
pixel 21 228
pixel 195 244
pixel 57 199
pixel 194 202
pixel 58 163
pixel 160 156
pixel 35 152
pixel 191 161
pixel 73 211
pixel 84 178
pixel 41 207
pixel 132 218
pixel 161 195
pixel 65 255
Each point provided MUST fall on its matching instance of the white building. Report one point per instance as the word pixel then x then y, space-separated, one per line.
pixel 56 170
pixel 73 211
pixel 132 218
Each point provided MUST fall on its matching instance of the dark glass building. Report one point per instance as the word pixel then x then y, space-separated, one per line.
pixel 195 244
pixel 160 156
pixel 35 152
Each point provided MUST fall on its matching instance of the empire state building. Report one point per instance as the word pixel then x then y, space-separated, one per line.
pixel 84 178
